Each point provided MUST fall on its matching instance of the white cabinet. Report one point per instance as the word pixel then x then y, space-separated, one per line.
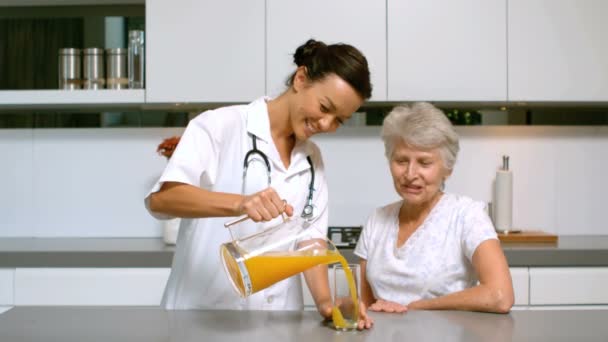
pixel 204 51
pixel 568 285
pixel 6 286
pixel 360 23
pixel 309 302
pixel 519 275
pixel 90 286
pixel 558 50
pixel 442 50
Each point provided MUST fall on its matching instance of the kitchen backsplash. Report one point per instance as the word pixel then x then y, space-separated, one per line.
pixel 91 182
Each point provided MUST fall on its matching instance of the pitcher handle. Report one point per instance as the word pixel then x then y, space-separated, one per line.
pixel 246 217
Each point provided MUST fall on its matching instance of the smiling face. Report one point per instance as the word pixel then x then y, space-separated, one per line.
pixel 321 106
pixel 417 174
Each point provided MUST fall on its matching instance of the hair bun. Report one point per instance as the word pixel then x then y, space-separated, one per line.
pixel 307 51
pixel 320 60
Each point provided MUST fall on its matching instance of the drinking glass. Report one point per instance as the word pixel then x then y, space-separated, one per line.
pixel 345 311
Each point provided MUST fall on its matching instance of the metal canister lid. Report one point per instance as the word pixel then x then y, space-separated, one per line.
pixel 116 51
pixel 136 34
pixel 69 51
pixel 93 51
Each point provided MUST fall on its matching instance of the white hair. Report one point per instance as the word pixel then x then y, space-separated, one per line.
pixel 421 125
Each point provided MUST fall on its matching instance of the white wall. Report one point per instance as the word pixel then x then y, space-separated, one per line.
pixel 91 182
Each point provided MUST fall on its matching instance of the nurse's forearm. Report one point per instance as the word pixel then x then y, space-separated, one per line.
pixel 318 284
pixel 184 200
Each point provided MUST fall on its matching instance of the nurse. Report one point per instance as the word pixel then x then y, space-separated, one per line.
pixel 205 184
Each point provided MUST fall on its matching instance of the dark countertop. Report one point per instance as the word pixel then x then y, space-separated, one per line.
pixel 85 252
pixel 152 252
pixel 129 324
pixel 569 251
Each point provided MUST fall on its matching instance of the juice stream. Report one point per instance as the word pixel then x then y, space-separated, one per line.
pixel 267 269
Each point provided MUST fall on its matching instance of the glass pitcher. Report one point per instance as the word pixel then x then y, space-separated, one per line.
pixel 257 261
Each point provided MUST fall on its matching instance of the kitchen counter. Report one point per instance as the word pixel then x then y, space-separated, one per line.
pixel 116 324
pixel 86 252
pixel 152 252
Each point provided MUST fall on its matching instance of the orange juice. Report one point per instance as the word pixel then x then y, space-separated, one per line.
pixel 350 322
pixel 250 275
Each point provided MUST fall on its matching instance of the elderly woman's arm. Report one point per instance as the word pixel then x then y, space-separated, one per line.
pixel 368 299
pixel 494 293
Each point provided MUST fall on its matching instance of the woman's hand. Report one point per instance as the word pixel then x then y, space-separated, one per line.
pixel 386 306
pixel 365 322
pixel 264 206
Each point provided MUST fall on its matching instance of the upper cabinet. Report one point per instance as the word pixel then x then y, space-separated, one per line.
pixel 204 51
pixel 558 50
pixel 360 23
pixel 442 50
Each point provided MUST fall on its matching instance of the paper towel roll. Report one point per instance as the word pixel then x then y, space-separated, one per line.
pixel 503 201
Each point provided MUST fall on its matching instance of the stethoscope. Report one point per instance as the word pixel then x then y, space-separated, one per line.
pixel 309 209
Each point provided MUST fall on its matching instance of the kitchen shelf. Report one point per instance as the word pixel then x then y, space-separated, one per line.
pixel 29 99
pixel 10 3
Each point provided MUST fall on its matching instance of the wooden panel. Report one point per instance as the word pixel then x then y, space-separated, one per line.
pixel 528 236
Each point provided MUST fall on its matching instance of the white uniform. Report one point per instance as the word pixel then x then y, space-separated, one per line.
pixel 210 155
pixel 435 260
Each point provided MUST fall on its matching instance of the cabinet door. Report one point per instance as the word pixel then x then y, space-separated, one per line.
pixel 558 50
pixel 442 50
pixel 520 278
pixel 90 286
pixel 360 23
pixel 518 274
pixel 568 285
pixel 204 51
pixel 6 286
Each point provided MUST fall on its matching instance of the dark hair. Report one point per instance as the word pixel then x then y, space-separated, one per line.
pixel 344 60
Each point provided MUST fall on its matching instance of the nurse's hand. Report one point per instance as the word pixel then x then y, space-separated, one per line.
pixel 365 322
pixel 264 206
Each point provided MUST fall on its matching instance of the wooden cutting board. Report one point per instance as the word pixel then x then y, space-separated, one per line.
pixel 528 236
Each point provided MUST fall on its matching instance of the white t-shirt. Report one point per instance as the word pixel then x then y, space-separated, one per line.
pixel 210 155
pixel 435 260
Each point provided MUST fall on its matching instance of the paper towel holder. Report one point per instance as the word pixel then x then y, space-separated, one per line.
pixel 505 163
pixel 500 209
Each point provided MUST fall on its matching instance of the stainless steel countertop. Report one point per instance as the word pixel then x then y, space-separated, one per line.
pixel 117 324
pixel 152 252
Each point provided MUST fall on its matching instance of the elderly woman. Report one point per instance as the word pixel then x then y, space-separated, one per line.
pixel 431 249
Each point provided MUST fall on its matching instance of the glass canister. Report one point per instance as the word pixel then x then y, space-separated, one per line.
pixel 69 68
pixel 136 59
pixel 93 70
pixel 255 262
pixel 116 68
